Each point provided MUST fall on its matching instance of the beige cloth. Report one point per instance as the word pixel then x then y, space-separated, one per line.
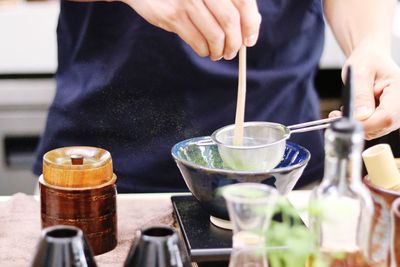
pixel 20 228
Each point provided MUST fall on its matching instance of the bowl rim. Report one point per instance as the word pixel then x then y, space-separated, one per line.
pixel 285 135
pixel 240 172
pixel 379 190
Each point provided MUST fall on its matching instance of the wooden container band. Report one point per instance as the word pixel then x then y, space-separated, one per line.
pixel 100 234
pixel 76 204
pixel 77 178
pixel 97 219
pixel 73 196
pixel 84 189
pixel 87 228
pixel 54 211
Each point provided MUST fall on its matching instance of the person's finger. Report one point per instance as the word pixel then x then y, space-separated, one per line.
pixel 228 18
pixel 386 117
pixel 334 113
pixel 379 86
pixel 205 22
pixel 250 20
pixel 191 35
pixel 363 80
pixel 377 124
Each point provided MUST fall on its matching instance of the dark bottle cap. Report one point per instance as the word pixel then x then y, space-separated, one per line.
pixel 346 133
pixel 346 126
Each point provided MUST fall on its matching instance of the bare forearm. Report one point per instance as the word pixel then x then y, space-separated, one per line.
pixel 356 22
pixel 363 29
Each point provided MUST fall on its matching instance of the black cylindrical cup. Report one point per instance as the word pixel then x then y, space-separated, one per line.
pixel 63 246
pixel 157 247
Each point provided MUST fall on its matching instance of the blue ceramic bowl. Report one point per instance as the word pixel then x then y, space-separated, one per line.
pixel 204 172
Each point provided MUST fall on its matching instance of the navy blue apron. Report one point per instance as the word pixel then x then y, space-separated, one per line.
pixel 136 90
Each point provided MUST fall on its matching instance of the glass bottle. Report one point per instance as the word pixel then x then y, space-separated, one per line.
pixel 250 208
pixel 343 229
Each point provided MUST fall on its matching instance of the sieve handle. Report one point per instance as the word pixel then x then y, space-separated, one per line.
pixel 312 125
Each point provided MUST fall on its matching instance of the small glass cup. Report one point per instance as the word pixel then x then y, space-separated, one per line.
pixel 250 208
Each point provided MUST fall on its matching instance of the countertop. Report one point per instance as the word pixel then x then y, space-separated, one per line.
pixel 20 224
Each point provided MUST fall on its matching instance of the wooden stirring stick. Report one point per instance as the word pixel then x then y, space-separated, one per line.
pixel 241 99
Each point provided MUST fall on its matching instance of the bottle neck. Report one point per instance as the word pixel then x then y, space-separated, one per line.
pixel 343 170
pixel 343 158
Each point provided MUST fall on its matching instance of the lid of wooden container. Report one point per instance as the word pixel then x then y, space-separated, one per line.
pixel 78 166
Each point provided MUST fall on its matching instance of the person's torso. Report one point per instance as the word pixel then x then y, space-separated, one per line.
pixel 135 90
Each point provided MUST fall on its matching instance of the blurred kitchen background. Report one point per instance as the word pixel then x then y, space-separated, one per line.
pixel 28 60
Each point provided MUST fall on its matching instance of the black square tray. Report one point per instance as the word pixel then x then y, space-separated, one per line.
pixel 204 241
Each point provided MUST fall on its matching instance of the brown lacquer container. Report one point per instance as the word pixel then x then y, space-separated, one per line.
pixel 78 188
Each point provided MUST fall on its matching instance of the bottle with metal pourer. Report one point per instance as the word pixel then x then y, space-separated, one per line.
pixel 344 229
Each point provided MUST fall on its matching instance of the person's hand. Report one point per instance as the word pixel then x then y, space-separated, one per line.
pixel 377 91
pixel 215 28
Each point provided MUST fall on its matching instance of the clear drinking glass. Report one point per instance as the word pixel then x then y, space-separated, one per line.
pixel 250 208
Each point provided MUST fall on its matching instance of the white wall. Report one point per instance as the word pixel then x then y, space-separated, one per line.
pixel 28 39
